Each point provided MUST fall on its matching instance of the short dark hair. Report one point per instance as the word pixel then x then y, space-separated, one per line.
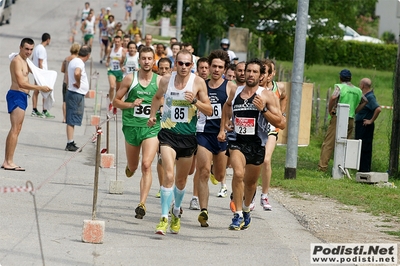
pixel 146 49
pixel 84 51
pixel 164 59
pixel 131 42
pixel 232 67
pixel 257 62
pixel 201 60
pixel 176 44
pixel 219 54
pixel 26 40
pixel 126 36
pixel 269 63
pixel 45 37
pixel 117 37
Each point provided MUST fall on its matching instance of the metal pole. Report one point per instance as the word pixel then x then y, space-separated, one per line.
pixel 297 83
pixel 179 20
pixel 144 17
pixel 108 134
pixel 395 136
pixel 96 173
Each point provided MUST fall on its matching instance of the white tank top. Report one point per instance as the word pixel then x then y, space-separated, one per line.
pixel 115 59
pixel 89 27
pixel 131 63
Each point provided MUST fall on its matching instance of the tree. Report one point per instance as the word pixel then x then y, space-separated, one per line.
pixel 212 18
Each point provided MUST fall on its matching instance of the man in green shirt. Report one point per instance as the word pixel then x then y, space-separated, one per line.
pixel 345 93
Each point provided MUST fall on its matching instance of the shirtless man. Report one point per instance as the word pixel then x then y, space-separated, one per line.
pixel 17 100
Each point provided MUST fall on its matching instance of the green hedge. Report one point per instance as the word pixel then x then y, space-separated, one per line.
pixel 336 52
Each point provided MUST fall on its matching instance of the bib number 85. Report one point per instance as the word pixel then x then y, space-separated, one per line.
pixel 179 114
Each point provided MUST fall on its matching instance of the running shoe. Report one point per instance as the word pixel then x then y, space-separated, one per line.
pixel 128 172
pixel 203 218
pixel 158 195
pixel 36 114
pixel 140 211
pixel 175 225
pixel 194 204
pixel 253 203
pixel 212 177
pixel 265 204
pixel 161 228
pixel 237 222
pixel 247 220
pixel 46 114
pixel 232 204
pixel 223 192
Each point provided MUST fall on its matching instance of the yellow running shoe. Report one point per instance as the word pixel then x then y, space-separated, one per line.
pixel 128 172
pixel 158 195
pixel 203 218
pixel 161 228
pixel 175 223
pixel 140 211
pixel 212 177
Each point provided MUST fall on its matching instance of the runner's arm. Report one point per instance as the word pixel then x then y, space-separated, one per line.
pixel 203 101
pixel 123 89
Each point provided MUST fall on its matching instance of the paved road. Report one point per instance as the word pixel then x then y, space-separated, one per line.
pixel 65 201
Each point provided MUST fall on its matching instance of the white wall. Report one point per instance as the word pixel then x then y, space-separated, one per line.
pixel 388 11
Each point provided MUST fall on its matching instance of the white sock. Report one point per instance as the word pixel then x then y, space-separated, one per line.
pixel 264 196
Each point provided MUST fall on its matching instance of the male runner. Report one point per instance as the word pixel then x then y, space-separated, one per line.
pixel 210 150
pixel 246 113
pixel 139 88
pixel 131 62
pixel 184 93
pixel 115 60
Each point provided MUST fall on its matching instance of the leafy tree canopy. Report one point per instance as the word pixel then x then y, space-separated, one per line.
pixel 212 18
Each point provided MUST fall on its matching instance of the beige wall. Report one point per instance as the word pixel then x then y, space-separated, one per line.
pixel 305 115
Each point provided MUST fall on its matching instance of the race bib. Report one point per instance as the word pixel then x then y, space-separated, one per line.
pixel 142 111
pixel 179 114
pixel 216 111
pixel 245 126
pixel 130 69
pixel 115 65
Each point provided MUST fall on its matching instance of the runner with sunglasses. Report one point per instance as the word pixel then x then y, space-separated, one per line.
pixel 184 93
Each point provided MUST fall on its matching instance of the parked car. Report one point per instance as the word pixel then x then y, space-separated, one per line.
pixel 5 11
pixel 352 35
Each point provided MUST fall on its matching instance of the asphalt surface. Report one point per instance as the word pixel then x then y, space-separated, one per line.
pixel 65 197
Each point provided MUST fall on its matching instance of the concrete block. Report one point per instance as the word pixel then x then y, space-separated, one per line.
pixel 371 177
pixel 91 94
pixel 94 120
pixel 93 231
pixel 107 160
pixel 116 187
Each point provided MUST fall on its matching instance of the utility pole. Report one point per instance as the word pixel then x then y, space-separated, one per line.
pixel 395 137
pixel 144 19
pixel 179 20
pixel 297 84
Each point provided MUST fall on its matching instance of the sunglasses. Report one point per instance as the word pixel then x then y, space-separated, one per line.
pixel 187 64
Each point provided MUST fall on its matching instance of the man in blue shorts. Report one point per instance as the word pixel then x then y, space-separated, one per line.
pixel 17 100
pixel 78 86
pixel 210 150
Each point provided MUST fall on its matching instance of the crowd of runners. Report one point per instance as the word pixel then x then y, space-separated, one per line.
pixel 197 115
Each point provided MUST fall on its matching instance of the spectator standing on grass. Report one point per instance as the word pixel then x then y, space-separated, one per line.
pixel 365 125
pixel 345 93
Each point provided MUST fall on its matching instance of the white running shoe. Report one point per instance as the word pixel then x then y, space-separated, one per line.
pixel 223 192
pixel 194 204
pixel 265 204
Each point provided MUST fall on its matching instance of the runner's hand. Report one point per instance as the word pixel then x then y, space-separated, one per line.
pixel 152 121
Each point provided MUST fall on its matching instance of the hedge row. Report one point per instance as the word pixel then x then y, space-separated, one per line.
pixel 337 52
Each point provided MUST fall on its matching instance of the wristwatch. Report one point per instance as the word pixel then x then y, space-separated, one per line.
pixel 284 114
pixel 264 110
pixel 194 101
